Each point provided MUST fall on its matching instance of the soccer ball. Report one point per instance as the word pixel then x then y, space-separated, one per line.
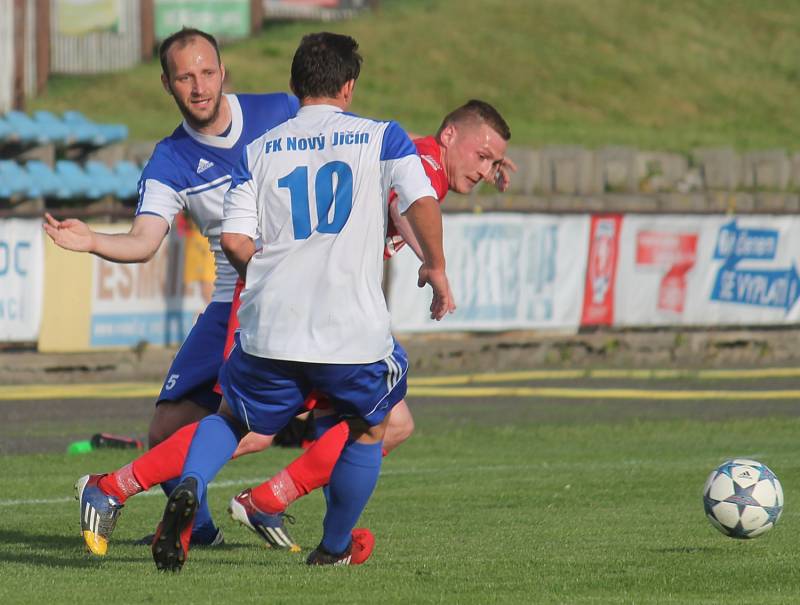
pixel 743 498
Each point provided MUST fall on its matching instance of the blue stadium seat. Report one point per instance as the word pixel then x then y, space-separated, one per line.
pixel 102 176
pixel 77 180
pixel 49 182
pixel 128 175
pixel 93 133
pixel 114 132
pixel 24 129
pixel 55 128
pixel 5 130
pixel 15 182
pixel 83 130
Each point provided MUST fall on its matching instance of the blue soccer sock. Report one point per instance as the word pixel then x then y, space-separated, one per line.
pixel 352 482
pixel 212 446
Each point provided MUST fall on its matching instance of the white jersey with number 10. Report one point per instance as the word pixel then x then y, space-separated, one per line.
pixel 315 190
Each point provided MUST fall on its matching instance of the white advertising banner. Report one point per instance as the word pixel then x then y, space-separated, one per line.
pixel 507 271
pixel 707 270
pixel 21 279
pixel 134 303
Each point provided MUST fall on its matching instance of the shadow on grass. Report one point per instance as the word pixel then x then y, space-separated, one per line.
pixel 61 550
pixel 53 550
pixel 225 547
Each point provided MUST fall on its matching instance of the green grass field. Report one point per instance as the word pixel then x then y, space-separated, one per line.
pixel 481 506
pixel 655 74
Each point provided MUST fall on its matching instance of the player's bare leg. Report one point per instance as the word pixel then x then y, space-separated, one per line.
pixel 252 443
pixel 171 416
pixel 400 427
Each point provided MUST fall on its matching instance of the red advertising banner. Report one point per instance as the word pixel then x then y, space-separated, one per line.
pixel 601 270
pixel 675 252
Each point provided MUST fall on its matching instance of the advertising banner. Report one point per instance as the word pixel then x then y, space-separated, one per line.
pixel 709 270
pixel 80 17
pixel 21 279
pixel 133 303
pixel 224 18
pixel 506 271
pixel 601 270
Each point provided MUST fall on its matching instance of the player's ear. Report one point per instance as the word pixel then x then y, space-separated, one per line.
pixel 347 91
pixel 448 135
pixel 165 83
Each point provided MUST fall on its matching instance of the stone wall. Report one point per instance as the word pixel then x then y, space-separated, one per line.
pixel 570 179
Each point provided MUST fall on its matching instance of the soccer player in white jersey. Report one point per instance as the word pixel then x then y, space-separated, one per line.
pixel 313 314
pixel 191 169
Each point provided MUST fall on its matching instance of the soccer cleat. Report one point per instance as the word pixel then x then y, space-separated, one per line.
pixel 171 541
pixel 270 527
pixel 99 513
pixel 218 540
pixel 357 553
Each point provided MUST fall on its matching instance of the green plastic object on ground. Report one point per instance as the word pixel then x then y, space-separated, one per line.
pixel 79 447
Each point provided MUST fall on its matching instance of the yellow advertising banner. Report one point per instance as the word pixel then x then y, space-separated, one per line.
pixel 80 17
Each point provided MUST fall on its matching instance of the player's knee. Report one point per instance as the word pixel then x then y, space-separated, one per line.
pixel 156 434
pixel 171 416
pixel 408 428
pixel 399 431
pixel 162 424
pixel 252 443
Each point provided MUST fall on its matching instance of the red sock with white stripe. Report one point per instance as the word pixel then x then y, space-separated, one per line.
pixel 159 464
pixel 308 472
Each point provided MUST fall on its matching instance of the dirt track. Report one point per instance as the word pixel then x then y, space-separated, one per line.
pixel 49 425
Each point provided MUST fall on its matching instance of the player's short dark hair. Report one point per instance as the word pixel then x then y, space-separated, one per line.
pixel 477 111
pixel 323 63
pixel 182 37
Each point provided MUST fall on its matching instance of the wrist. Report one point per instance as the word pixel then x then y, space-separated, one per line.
pixel 93 245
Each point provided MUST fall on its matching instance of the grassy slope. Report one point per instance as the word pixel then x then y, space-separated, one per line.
pixel 656 74
pixel 568 511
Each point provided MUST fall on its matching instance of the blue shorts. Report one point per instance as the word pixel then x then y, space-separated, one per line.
pixel 265 394
pixel 194 370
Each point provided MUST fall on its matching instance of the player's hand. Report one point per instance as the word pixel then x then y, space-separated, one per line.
pixel 501 177
pixel 70 234
pixel 442 302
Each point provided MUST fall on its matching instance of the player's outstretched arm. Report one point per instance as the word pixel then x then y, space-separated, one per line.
pixel 137 246
pixel 425 218
pixel 239 249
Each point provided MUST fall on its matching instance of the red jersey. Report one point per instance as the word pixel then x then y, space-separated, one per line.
pixel 431 156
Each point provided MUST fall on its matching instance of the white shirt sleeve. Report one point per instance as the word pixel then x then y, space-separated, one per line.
pixel 240 209
pixel 157 198
pixel 409 181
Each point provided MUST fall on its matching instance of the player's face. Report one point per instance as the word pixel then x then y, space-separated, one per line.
pixel 195 81
pixel 473 153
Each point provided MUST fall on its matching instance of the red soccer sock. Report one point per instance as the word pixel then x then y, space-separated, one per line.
pixel 159 464
pixel 308 472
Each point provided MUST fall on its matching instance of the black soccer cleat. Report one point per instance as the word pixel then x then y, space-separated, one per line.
pixel 171 542
pixel 359 550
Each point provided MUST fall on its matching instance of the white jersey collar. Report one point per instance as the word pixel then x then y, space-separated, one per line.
pixel 230 139
pixel 313 109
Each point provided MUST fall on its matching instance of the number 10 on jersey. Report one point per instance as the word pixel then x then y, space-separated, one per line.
pixel 326 194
